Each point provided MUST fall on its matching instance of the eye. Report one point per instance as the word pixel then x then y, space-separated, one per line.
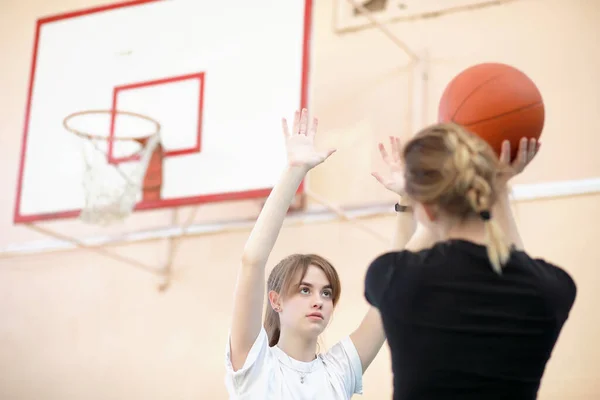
pixel 327 293
pixel 304 290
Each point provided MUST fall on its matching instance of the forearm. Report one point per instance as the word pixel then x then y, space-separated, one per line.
pixel 249 290
pixel 502 213
pixel 369 337
pixel 423 238
pixel 268 225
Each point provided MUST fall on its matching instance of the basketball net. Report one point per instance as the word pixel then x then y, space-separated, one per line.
pixel 112 189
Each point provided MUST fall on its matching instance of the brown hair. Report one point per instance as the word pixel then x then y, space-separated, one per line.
pixel 452 168
pixel 283 280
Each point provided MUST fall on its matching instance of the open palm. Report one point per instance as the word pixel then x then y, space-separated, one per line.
pixel 300 142
pixel 394 180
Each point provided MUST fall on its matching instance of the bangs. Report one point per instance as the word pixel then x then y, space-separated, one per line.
pixel 296 269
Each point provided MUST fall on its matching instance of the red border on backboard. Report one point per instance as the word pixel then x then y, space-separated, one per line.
pixel 18 218
pixel 132 86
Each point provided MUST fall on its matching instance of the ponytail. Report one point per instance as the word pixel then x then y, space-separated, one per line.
pixel 272 325
pixel 497 248
pixel 479 197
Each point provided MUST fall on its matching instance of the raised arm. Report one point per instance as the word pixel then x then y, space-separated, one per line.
pixel 249 291
pixel 370 336
pixel 502 210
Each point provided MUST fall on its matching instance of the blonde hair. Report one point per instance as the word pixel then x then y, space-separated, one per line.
pixel 286 277
pixel 448 166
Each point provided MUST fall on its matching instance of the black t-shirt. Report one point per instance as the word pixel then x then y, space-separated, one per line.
pixel 458 330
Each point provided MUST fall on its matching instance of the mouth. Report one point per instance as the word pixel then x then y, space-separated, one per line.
pixel 315 316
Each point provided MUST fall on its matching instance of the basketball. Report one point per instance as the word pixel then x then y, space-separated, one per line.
pixel 496 102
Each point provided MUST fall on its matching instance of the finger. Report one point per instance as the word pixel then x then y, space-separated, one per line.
pixel 505 153
pixel 313 127
pixel 296 125
pixel 387 183
pixel 303 122
pixel 383 152
pixel 397 149
pixel 521 159
pixel 284 127
pixel 532 149
pixel 377 176
pixel 393 149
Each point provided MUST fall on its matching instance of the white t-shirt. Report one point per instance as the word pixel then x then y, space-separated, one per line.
pixel 270 374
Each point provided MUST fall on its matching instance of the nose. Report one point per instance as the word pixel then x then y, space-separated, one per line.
pixel 318 304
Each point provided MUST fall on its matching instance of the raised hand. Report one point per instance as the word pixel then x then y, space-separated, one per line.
pixel 528 149
pixel 395 179
pixel 300 142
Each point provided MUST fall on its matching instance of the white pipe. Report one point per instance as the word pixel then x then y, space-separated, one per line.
pixel 420 76
pixel 523 192
pixel 546 190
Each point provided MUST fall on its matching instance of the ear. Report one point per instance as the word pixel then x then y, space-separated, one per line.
pixel 274 300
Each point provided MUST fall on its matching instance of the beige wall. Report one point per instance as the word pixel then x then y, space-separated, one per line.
pixel 79 326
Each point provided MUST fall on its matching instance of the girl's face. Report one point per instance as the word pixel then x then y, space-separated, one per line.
pixel 308 308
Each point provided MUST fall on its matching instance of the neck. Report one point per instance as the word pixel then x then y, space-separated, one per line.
pixel 297 347
pixel 472 230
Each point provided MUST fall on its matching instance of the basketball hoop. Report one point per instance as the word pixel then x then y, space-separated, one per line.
pixel 112 188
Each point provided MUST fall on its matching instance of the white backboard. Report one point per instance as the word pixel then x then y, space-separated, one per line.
pixel 217 76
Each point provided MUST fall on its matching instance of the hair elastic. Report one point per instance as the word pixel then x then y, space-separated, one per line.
pixel 485 215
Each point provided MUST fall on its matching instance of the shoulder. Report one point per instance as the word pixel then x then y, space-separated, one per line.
pixel 556 284
pixel 385 268
pixel 343 362
pixel 561 283
pixel 344 353
pixel 255 368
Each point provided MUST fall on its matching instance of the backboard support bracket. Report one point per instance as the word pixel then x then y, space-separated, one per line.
pixel 99 250
pixel 163 271
pixel 385 30
pixel 419 62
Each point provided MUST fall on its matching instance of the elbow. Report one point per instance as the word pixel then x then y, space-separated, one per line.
pixel 252 261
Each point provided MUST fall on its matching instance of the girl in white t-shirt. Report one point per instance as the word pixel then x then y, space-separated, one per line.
pixel 278 360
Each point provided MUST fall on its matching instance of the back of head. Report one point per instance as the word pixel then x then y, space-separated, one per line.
pixel 449 167
pixel 285 279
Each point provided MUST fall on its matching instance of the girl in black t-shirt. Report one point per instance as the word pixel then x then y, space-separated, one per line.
pixel 468 314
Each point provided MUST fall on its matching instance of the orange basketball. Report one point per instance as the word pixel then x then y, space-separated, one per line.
pixel 496 102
